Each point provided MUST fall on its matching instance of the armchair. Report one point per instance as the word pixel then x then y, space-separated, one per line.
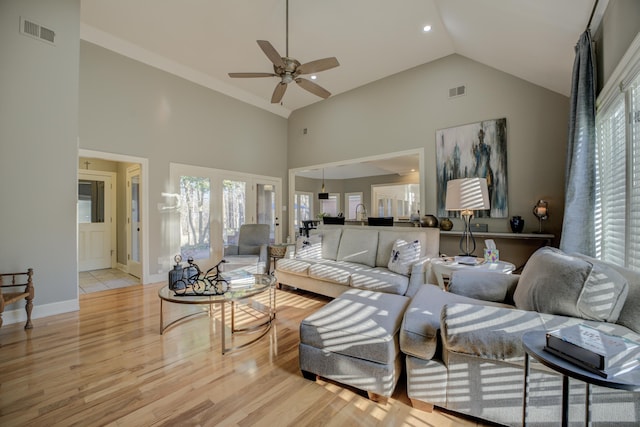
pixel 251 249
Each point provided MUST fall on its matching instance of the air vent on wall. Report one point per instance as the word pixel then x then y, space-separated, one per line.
pixel 37 31
pixel 455 92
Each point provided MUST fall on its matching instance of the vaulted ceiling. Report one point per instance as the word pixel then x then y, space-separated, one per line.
pixel 204 40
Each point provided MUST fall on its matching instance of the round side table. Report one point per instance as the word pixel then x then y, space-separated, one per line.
pixel 443 267
pixel 534 343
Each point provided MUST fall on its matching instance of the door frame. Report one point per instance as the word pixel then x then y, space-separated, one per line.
pixel 113 223
pixel 144 196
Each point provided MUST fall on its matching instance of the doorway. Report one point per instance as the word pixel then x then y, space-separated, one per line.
pixel 129 263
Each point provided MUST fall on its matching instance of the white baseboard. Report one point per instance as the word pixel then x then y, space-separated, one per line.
pixel 155 278
pixel 20 315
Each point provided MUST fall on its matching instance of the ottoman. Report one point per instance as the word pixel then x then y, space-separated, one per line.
pixel 354 340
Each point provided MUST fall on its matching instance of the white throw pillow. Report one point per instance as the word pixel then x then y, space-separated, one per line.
pixel 403 255
pixel 309 247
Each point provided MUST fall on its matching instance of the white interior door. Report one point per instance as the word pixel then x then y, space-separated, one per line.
pixel 134 222
pixel 95 226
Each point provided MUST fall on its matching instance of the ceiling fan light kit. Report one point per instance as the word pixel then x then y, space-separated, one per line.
pixel 289 69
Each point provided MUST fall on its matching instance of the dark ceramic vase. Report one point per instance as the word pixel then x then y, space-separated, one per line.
pixel 517 224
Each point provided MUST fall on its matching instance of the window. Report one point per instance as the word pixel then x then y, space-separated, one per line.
pixel 618 168
pixel 331 206
pixel 351 202
pixel 398 201
pixel 302 208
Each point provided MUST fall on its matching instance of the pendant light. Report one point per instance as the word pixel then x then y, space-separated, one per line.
pixel 323 195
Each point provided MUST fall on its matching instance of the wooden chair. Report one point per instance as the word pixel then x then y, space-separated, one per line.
pixel 16 292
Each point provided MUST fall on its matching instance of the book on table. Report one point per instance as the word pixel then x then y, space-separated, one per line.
pixel 238 278
pixel 594 350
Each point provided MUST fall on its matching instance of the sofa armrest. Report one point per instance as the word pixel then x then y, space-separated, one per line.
pixel 483 285
pixel 231 250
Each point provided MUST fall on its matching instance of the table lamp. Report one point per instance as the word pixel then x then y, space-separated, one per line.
pixel 466 195
pixel 541 211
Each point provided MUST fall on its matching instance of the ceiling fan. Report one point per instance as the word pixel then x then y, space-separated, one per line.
pixel 289 69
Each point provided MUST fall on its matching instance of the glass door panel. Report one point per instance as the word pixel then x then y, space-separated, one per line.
pixel 195 202
pixel 266 208
pixel 234 209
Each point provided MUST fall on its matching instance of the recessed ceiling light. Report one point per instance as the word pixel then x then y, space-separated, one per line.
pixel 426 28
pixel 314 77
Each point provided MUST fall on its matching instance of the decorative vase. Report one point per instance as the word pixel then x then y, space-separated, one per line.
pixel 517 224
pixel 446 224
pixel 429 221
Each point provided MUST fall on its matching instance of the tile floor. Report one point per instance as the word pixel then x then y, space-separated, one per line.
pixel 102 280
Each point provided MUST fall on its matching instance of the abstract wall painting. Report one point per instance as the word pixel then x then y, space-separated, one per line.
pixel 476 150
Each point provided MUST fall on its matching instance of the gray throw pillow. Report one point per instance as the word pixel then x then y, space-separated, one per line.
pixel 603 294
pixel 554 282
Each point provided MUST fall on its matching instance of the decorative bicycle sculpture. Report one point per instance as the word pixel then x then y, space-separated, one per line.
pixel 191 280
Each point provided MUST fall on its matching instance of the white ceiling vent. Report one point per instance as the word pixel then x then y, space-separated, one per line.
pixel 455 92
pixel 37 31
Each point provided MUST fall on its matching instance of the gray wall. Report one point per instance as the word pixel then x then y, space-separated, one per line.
pixel 129 108
pixel 404 111
pixel 38 149
pixel 620 25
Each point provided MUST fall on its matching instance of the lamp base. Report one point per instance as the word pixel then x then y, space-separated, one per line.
pixel 467 241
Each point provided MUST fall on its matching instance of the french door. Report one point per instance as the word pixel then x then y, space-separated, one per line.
pixel 134 222
pixel 215 203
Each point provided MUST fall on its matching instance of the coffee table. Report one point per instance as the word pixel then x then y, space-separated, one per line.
pixel 443 267
pixel 235 296
pixel 534 343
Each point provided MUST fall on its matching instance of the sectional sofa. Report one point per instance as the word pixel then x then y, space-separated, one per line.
pixel 464 351
pixel 333 259
pixel 462 347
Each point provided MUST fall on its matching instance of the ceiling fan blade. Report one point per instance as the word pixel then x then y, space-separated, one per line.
pixel 250 75
pixel 278 93
pixel 318 65
pixel 313 88
pixel 271 53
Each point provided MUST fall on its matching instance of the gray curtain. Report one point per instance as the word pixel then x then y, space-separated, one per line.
pixel 578 228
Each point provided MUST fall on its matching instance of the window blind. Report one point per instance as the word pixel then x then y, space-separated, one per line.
pixel 610 184
pixel 633 248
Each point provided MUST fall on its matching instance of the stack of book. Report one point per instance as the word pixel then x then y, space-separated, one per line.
pixel 593 350
pixel 238 278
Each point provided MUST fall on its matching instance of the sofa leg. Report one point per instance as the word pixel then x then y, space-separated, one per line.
pixel 309 375
pixel 375 397
pixel 423 406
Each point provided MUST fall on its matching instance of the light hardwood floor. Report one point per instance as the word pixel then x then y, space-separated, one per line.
pixel 108 365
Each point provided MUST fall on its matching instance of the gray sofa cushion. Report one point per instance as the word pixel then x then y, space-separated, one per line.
pixel 334 272
pixel 483 285
pixel 421 325
pixel 557 283
pixel 359 324
pixel 294 266
pixel 380 280
pixel 330 242
pixel 309 247
pixel 358 246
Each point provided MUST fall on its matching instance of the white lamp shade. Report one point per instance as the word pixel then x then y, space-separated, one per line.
pixel 467 194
